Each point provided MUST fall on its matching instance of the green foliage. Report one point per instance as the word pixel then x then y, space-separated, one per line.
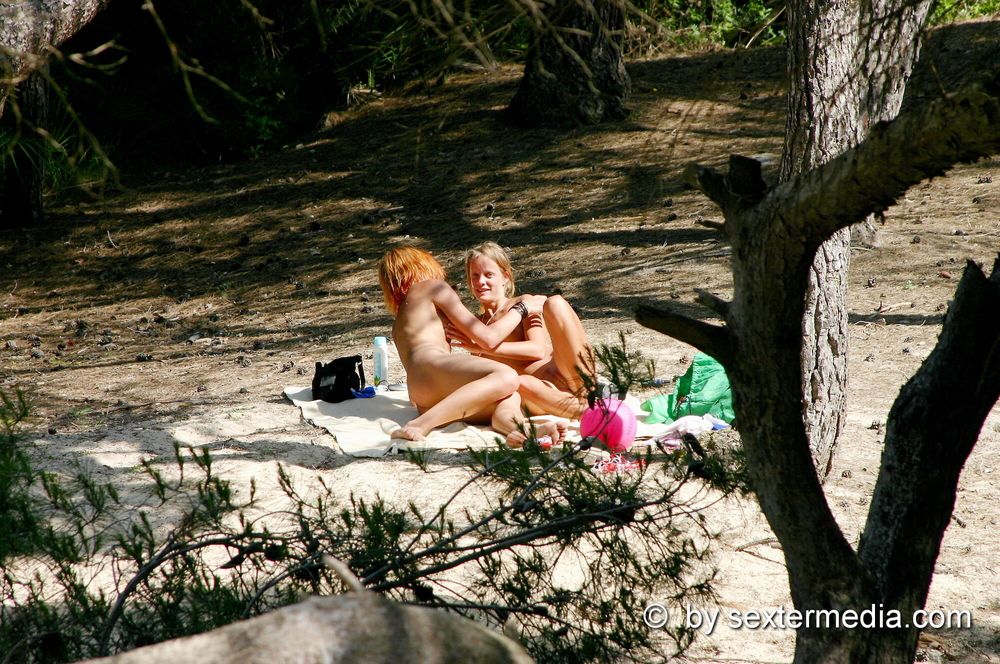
pixel 718 22
pixel 18 521
pixel 106 573
pixel 625 369
pixel 950 11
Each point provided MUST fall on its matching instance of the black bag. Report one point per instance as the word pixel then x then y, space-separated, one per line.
pixel 334 381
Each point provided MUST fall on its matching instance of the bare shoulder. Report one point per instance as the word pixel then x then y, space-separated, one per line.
pixel 429 287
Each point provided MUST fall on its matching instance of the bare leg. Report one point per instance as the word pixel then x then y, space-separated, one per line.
pixel 456 386
pixel 543 398
pixel 571 351
pixel 509 420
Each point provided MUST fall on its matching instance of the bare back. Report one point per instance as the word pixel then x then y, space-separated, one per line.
pixel 418 327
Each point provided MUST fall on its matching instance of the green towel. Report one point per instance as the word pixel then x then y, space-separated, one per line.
pixel 703 390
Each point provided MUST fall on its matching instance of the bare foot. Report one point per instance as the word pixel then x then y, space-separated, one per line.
pixel 553 430
pixel 515 439
pixel 408 433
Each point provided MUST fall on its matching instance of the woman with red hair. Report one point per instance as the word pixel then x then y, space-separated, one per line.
pixel 446 386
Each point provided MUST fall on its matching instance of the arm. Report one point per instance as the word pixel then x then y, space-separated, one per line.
pixel 486 337
pixel 535 345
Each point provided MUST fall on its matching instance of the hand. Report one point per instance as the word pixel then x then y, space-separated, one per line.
pixel 456 337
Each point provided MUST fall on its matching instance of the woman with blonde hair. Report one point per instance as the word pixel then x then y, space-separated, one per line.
pixel 550 351
pixel 446 386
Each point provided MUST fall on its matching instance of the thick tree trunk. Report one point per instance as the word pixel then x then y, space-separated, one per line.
pixel 28 29
pixel 24 168
pixel 775 236
pixel 574 71
pixel 848 70
pixel 931 431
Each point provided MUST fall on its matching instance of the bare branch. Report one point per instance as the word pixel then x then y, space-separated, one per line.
pixel 714 225
pixel 869 178
pixel 715 340
pixel 713 184
pixel 713 302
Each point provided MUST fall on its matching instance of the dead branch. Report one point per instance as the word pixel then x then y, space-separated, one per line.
pixel 712 339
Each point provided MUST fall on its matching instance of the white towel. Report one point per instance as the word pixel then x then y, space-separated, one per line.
pixel 362 426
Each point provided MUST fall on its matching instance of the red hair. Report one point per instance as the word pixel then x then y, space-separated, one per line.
pixel 402 267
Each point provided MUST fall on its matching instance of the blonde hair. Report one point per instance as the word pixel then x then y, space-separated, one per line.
pixel 495 253
pixel 402 267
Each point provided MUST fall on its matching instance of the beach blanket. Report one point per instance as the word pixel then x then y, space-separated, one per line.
pixel 362 426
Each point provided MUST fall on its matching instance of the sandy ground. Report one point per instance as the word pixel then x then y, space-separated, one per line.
pixel 178 310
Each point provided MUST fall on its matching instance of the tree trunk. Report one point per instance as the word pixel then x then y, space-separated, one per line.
pixel 848 70
pixel 24 168
pixel 28 28
pixel 776 235
pixel 574 71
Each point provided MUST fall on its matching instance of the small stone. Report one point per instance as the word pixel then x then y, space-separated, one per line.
pixel 259 345
pixel 243 361
pixel 35 340
pixel 958 231
pixel 244 390
pixel 672 216
pixel 916 240
pixel 302 371
pixel 52 431
pixel 287 366
pixel 367 308
pixel 906 350
pixel 364 296
pixel 535 273
pixel 37 353
pixel 668 203
pixel 846 474
pixel 11 344
pixel 143 357
pixel 870 357
pixel 202 388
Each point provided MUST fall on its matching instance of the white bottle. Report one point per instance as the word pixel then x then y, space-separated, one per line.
pixel 380 355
